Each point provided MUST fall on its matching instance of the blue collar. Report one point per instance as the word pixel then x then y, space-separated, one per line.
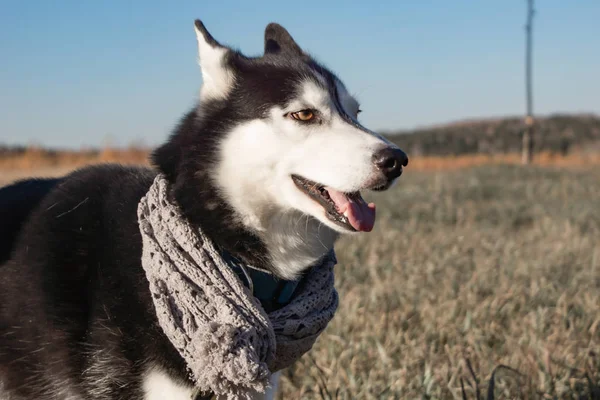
pixel 272 291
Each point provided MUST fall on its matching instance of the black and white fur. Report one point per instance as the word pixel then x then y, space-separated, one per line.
pixel 76 317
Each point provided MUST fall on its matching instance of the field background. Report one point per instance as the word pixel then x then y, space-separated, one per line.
pixel 475 262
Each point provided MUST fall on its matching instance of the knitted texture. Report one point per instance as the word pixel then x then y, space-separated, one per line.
pixel 229 343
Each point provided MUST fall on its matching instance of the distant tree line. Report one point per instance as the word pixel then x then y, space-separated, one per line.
pixel 557 133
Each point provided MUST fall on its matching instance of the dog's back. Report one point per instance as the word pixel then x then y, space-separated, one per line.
pixel 72 293
pixel 17 201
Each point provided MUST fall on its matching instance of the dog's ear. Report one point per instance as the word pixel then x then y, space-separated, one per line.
pixel 217 76
pixel 279 40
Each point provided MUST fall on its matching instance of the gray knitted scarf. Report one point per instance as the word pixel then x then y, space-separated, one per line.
pixel 229 343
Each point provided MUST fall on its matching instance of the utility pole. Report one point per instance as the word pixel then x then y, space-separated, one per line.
pixel 527 150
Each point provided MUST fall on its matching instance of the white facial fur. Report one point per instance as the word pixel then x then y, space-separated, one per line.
pixel 257 160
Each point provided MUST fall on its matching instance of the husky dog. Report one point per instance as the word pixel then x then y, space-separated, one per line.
pixel 270 164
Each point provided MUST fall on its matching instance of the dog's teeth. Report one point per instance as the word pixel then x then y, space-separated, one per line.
pixel 346 213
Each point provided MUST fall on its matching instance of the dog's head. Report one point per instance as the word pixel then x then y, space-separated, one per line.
pixel 276 151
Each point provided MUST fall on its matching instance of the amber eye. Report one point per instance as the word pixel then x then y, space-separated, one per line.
pixel 303 115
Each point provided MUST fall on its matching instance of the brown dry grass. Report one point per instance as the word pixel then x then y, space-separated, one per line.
pixel 43 162
pixel 498 265
pixel 488 265
pixel 35 158
pixel 545 159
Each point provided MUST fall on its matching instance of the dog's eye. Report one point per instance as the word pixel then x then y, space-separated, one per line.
pixel 303 115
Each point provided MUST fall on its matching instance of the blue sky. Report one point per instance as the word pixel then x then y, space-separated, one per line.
pixel 76 73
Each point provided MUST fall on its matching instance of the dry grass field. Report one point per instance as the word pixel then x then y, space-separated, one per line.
pixel 468 269
pixel 498 265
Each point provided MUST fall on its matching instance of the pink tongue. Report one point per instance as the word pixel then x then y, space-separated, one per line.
pixel 360 214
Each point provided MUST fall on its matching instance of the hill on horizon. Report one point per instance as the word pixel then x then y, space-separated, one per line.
pixel 558 133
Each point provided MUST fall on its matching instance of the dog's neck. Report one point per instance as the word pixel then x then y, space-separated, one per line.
pixel 295 241
pixel 284 243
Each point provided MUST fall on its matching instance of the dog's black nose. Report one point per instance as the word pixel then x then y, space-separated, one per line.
pixel 390 160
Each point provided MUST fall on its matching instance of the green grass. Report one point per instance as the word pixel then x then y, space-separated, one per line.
pixel 489 266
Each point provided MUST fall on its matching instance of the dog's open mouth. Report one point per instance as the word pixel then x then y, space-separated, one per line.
pixel 348 210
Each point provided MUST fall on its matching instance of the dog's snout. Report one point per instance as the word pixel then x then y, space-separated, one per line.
pixel 390 161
